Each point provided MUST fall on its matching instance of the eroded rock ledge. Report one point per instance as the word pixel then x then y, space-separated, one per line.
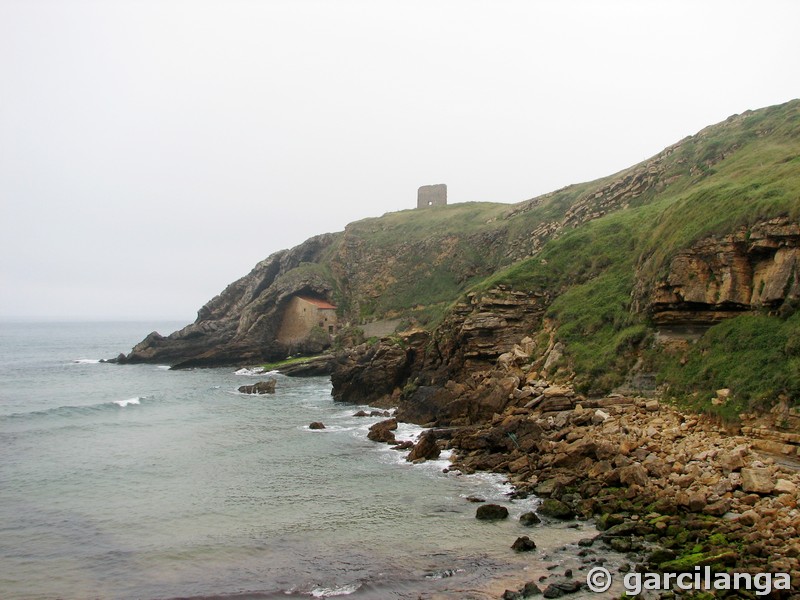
pixel 752 268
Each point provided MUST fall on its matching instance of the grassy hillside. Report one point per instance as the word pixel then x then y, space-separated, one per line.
pixel 737 173
pixel 596 247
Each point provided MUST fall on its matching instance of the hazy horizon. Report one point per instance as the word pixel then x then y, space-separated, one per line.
pixel 152 152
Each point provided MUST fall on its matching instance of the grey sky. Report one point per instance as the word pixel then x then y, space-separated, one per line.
pixel 151 152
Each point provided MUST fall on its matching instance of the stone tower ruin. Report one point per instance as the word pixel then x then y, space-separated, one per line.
pixel 432 195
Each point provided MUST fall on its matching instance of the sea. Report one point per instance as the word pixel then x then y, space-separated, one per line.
pixel 137 481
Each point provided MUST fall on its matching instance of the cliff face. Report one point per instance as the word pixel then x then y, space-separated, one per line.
pixel 492 351
pixel 241 324
pixel 703 230
pixel 717 278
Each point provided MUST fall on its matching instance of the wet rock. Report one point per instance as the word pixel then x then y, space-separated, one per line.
pixel 661 555
pixel 561 588
pixel 383 431
pixel 425 448
pixel 608 520
pixel 620 544
pixel 404 445
pixel 369 373
pixel 626 528
pixel 361 413
pixel 491 512
pixel 523 544
pixel 529 519
pixel 262 387
pixel 317 425
pixel 475 499
pixel 530 589
pixel 555 508
pixel 550 486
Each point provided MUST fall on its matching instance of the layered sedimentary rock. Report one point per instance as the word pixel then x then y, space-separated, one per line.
pixel 241 324
pixel 720 277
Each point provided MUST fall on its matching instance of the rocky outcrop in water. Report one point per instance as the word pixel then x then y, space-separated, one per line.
pixel 241 324
pixel 383 431
pixel 262 387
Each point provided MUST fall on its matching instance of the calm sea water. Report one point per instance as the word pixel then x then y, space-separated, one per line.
pixel 134 481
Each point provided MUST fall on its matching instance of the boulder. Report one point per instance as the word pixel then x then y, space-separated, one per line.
pixel 426 448
pixel 555 508
pixel 529 519
pixel 784 486
pixel 757 480
pixel 262 387
pixel 696 501
pixel 491 512
pixel 560 588
pixel 316 425
pixel 523 544
pixel 383 431
pixel 730 461
pixel 718 508
pixel 549 486
pixel 558 391
pixel 633 474
pixel 749 518
pixel 530 589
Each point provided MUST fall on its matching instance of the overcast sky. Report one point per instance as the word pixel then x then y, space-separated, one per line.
pixel 151 152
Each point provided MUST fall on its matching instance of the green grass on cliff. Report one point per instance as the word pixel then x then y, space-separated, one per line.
pixel 756 356
pixel 597 270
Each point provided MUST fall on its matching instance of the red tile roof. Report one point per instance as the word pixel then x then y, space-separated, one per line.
pixel 317 303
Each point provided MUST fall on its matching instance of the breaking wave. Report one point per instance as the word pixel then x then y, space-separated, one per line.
pixel 254 372
pixel 70 411
pixel 342 590
pixel 124 403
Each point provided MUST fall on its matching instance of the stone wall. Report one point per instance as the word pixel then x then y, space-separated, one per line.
pixel 432 195
pixel 301 316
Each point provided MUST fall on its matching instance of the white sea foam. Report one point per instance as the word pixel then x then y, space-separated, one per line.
pixel 165 367
pixel 124 403
pixel 86 361
pixel 444 574
pixel 254 372
pixel 342 590
pixel 328 428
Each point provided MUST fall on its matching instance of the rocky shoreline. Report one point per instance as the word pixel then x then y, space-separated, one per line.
pixel 672 491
